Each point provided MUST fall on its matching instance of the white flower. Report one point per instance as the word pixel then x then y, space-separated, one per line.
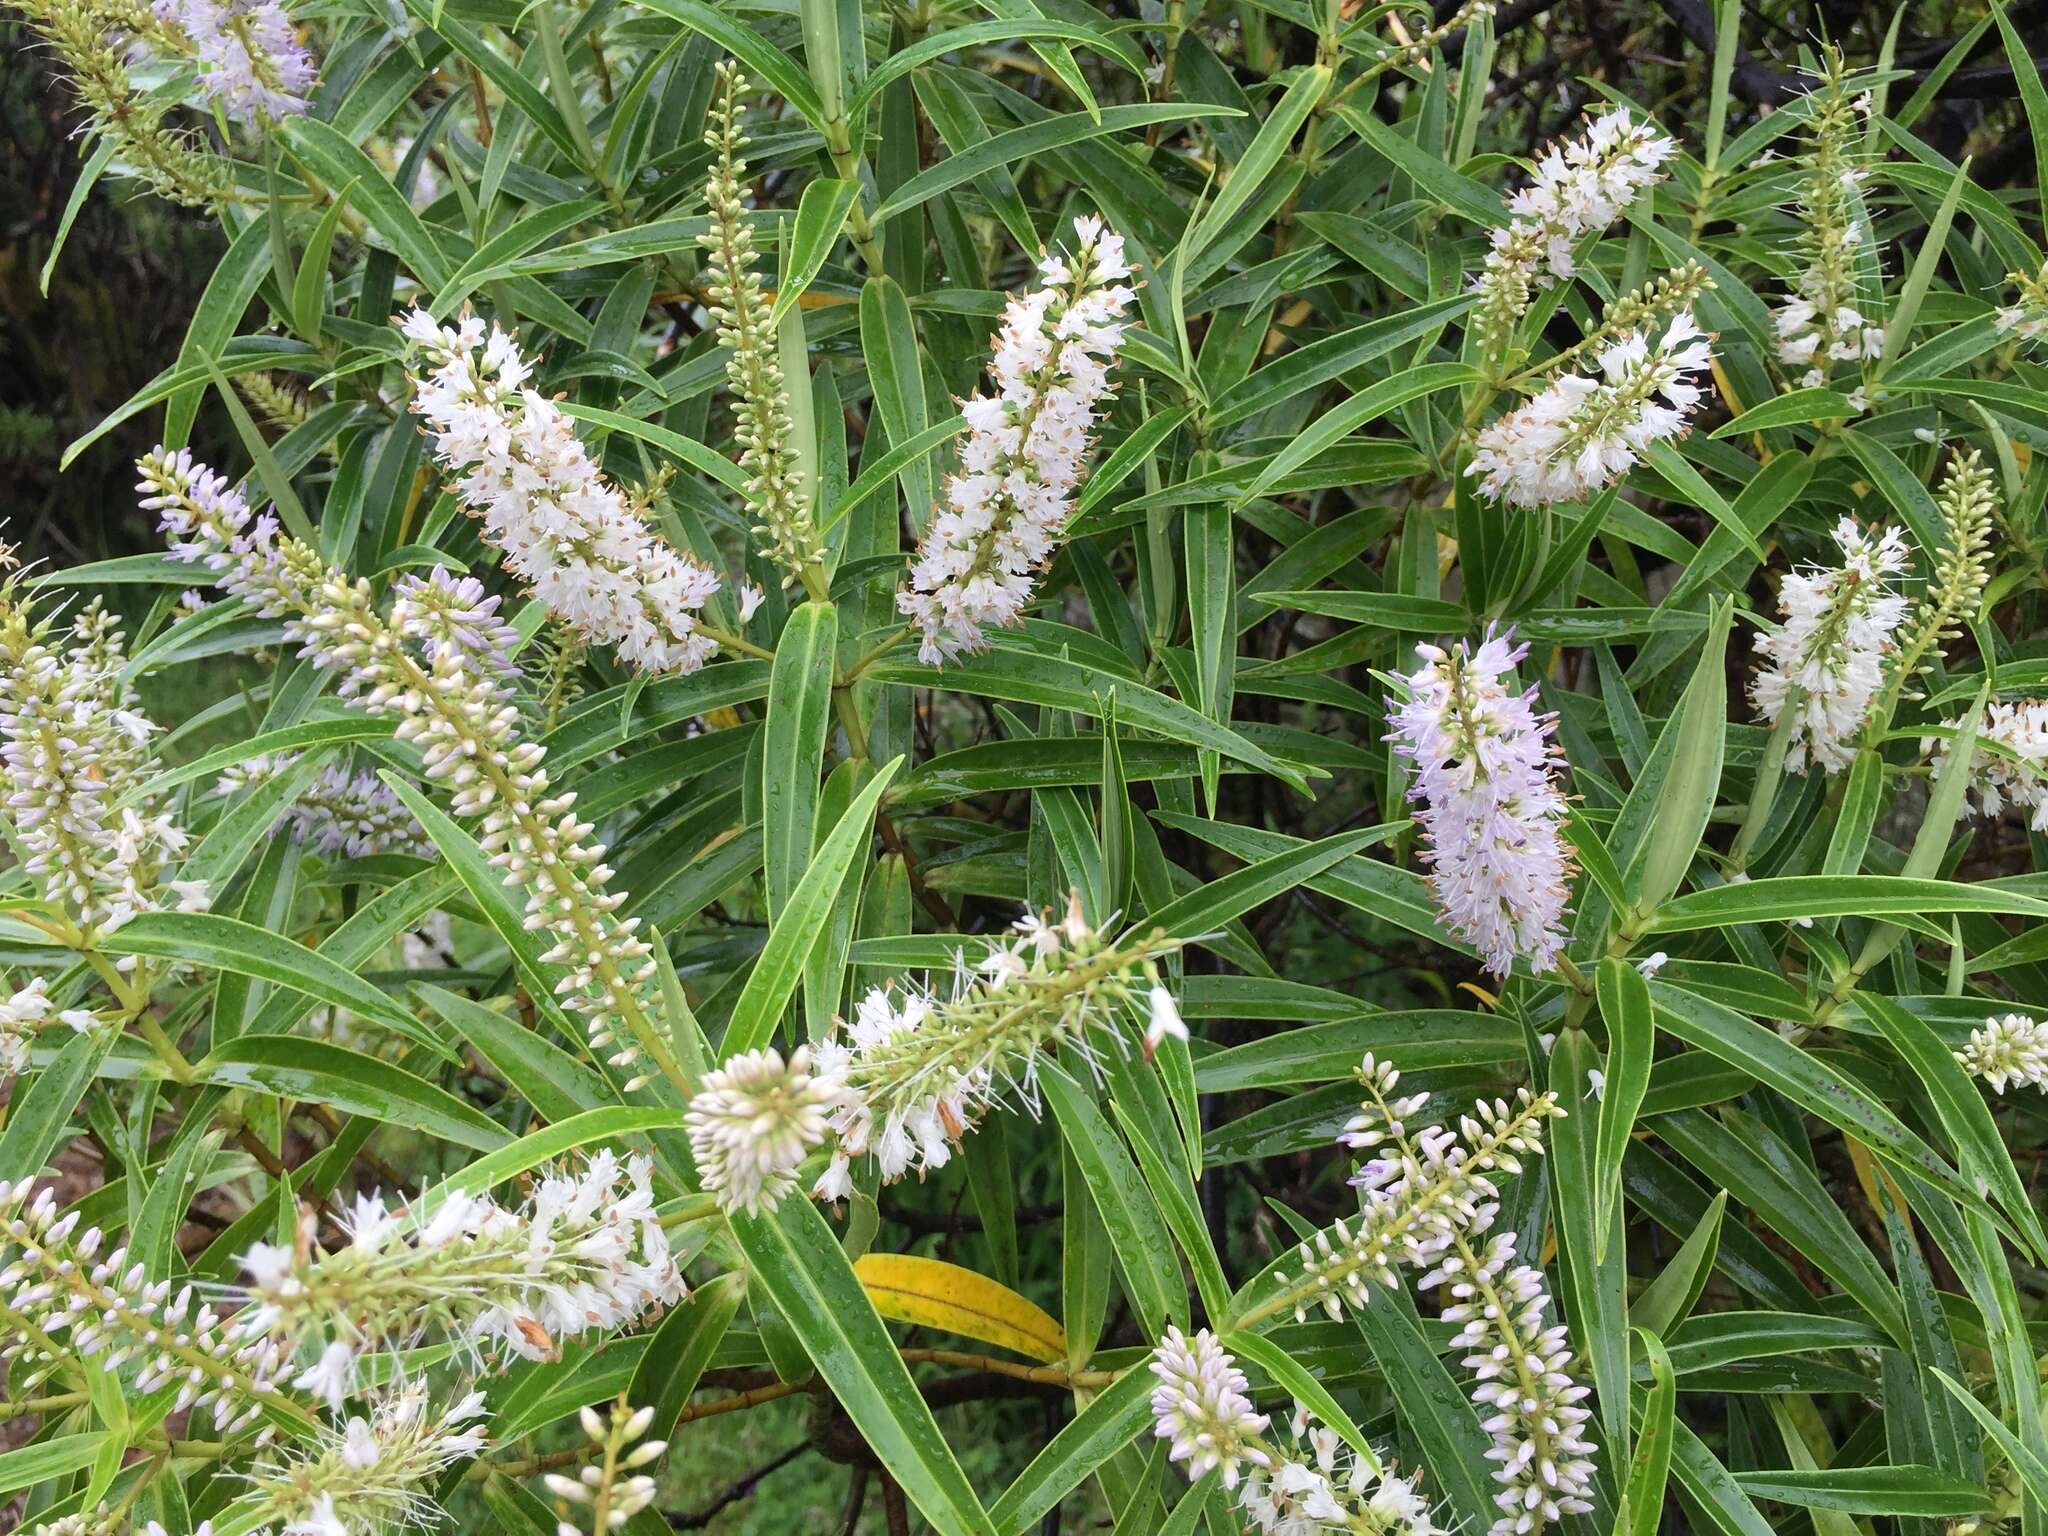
pixel 586 1254
pixel 250 57
pixel 21 1016
pixel 1650 965
pixel 332 1377
pixel 2010 764
pixel 565 530
pixel 1200 1406
pixel 1006 510
pixel 1579 187
pixel 751 1123
pixel 1829 653
pixel 1164 1020
pixel 2007 1051
pixel 1484 772
pixel 917 1070
pixel 1580 434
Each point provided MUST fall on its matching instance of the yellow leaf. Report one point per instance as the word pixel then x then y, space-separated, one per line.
pixel 939 1295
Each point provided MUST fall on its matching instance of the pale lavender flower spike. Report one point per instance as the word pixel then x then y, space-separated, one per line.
pixel 250 58
pixel 1491 807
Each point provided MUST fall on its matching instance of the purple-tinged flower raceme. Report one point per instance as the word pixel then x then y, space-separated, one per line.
pixel 752 1123
pixel 61 1299
pixel 1827 659
pixel 439 664
pixel 566 531
pixel 916 1070
pixel 374 1474
pixel 1580 186
pixel 1485 775
pixel 1006 509
pixel 586 1253
pixel 74 758
pixel 340 813
pixel 1202 1407
pixel 2008 1052
pixel 1306 1483
pixel 1579 434
pixel 250 58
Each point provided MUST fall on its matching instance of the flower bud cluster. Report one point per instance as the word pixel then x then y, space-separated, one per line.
pixel 341 813
pixel 61 1298
pixel 609 1491
pixel 1819 324
pixel 2008 1052
pixel 764 429
pixel 74 758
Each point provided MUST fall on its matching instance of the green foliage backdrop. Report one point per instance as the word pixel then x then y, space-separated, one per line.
pixel 1024 767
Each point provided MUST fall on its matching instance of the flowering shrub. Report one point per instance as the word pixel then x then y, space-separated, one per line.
pixel 1080 736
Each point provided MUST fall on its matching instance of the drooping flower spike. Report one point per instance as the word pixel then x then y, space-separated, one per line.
pixel 439 663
